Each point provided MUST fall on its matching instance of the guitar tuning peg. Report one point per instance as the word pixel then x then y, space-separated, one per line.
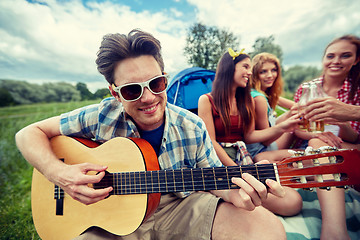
pixel 297 153
pixel 344 187
pixel 309 189
pixel 327 188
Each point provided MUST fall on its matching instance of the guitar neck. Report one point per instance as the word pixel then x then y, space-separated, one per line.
pixel 183 180
pixel 304 171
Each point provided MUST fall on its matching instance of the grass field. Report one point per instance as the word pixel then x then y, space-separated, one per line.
pixel 15 172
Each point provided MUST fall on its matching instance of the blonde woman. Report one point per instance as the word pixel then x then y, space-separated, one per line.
pixel 267 87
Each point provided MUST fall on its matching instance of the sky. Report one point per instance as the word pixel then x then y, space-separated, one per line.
pixel 57 40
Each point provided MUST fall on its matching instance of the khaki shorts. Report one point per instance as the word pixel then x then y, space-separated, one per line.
pixel 176 218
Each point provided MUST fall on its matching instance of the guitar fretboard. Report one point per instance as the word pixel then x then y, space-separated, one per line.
pixel 182 180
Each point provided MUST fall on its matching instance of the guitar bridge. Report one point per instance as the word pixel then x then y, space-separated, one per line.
pixel 59 197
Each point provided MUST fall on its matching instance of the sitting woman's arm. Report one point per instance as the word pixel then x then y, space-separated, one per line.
pixel 286 103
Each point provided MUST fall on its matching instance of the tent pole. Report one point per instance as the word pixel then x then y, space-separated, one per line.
pixel 176 93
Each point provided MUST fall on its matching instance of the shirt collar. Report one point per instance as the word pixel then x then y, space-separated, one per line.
pixel 345 87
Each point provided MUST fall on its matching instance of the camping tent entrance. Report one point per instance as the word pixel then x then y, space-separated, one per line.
pixel 187 86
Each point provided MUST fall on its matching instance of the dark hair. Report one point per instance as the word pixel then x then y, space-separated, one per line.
pixel 354 74
pixel 116 47
pixel 222 85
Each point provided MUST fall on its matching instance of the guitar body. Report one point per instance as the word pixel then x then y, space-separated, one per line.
pixel 118 214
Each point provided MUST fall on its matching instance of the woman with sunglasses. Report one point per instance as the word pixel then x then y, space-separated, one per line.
pixel 133 66
pixel 229 115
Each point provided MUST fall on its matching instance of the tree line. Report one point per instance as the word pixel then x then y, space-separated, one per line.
pixel 204 47
pixel 21 92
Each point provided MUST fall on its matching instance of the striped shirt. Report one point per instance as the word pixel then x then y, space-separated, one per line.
pixel 185 142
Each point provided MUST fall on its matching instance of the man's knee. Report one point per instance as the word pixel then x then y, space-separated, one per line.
pixel 235 223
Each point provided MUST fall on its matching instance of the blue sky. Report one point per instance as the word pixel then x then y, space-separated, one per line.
pixel 157 5
pixel 57 40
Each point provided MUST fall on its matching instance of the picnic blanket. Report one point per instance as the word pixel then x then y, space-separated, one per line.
pixel 307 224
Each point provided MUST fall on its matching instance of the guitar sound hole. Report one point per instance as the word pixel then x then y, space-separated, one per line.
pixel 105 182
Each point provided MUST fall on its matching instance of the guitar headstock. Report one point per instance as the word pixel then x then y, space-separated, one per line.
pixel 321 168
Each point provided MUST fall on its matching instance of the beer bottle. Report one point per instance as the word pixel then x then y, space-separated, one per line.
pixel 304 123
pixel 316 91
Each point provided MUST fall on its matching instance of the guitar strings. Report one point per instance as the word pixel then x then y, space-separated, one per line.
pixel 133 183
pixel 264 173
pixel 233 170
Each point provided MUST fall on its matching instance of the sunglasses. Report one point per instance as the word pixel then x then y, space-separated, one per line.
pixel 133 91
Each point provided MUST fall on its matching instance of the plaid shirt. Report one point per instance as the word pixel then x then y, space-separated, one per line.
pixel 343 96
pixel 185 143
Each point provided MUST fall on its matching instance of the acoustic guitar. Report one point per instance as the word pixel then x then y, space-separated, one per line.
pixel 137 182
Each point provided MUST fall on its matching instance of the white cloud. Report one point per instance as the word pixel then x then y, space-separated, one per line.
pixel 176 12
pixel 298 26
pixel 58 40
pixel 66 35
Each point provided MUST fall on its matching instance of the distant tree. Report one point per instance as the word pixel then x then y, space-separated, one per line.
pixel 23 92
pixel 66 92
pixel 84 91
pixel 296 75
pixel 52 92
pixel 205 45
pixel 5 98
pixel 26 93
pixel 266 44
pixel 102 93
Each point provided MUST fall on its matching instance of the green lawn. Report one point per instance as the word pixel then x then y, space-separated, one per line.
pixel 15 172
